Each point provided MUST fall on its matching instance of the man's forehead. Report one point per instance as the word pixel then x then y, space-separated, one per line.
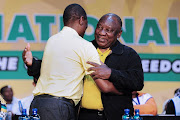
pixel 108 18
pixel 8 88
pixel 108 21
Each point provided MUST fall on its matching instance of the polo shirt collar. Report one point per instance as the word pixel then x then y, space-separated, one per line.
pixel 116 48
pixel 70 30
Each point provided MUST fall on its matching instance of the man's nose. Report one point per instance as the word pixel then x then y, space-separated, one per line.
pixel 102 32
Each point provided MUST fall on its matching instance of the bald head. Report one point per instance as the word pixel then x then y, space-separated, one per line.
pixel 108 30
pixel 115 19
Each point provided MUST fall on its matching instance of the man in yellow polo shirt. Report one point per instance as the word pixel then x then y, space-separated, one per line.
pixel 116 79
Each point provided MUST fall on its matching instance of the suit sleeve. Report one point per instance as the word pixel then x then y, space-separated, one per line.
pixel 34 70
pixel 131 79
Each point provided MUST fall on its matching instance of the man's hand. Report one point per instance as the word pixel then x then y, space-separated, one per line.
pixel 27 55
pixel 100 71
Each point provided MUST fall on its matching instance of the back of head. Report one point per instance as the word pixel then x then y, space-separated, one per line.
pixel 3 89
pixel 73 12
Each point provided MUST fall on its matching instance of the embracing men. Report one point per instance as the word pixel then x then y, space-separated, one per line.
pixel 107 90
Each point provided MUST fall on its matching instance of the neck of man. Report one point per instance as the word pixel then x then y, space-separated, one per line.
pixel 74 25
pixel 103 49
pixel 9 102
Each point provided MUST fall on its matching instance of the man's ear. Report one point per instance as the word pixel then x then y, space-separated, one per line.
pixel 81 20
pixel 119 34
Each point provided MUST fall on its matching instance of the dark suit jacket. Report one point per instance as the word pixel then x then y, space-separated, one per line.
pixel 126 76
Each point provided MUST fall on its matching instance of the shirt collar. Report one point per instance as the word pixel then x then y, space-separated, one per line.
pixel 70 30
pixel 99 51
pixel 116 48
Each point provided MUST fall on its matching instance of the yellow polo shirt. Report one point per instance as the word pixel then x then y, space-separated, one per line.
pixel 64 65
pixel 92 96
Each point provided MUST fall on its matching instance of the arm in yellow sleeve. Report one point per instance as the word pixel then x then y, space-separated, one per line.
pixel 149 108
